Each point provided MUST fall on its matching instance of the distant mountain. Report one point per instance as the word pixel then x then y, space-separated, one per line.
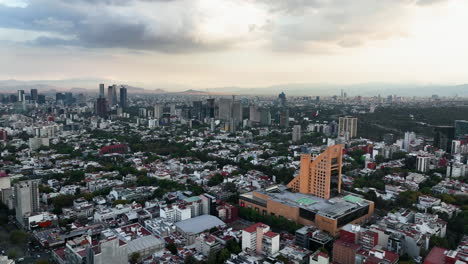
pixel 366 89
pixel 86 85
pixel 194 92
pixel 90 85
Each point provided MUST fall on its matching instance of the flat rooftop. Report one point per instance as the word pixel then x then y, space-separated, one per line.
pixel 332 208
pixel 199 224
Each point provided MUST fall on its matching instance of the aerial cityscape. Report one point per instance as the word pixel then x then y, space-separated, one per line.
pixel 238 132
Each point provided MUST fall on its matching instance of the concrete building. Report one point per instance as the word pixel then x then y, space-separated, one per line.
pixel 85 250
pixel 101 107
pixel 347 125
pixel 191 228
pixel 254 114
pixel 327 215
pixel 158 111
pixel 296 133
pixel 422 163
pixel 123 98
pixel 320 175
pixel 101 90
pixel 110 92
pixel 319 257
pixel 284 117
pixel 443 136
pixel 36 142
pixel 5 181
pixel 26 199
pixel 207 244
pixel 138 239
pixel 312 238
pixel 409 139
pixel 34 95
pixel 21 96
pixel 461 129
pixel 225 109
pixel 260 239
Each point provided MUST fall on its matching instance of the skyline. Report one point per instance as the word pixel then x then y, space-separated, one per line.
pixel 208 44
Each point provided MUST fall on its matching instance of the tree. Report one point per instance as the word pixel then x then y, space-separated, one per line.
pixel 223 255
pixel 233 246
pixel 379 159
pixel 18 237
pixel 215 180
pixel 12 254
pixel 135 257
pixel 190 260
pixel 436 241
pixel 172 248
pixel 407 199
pixel 62 201
pixel 230 187
pixel 116 202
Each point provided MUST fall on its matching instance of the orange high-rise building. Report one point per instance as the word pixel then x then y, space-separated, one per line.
pixel 320 175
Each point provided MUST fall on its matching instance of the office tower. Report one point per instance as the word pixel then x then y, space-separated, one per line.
pixel 81 99
pixel 69 98
pixel 443 136
pixel 320 175
pixel 282 99
pixel 26 199
pixel 254 115
pixel 114 95
pixel 210 107
pixel 41 99
pixel 197 110
pixel 101 90
pixel 225 108
pixel 422 163
pixel 101 107
pixel 461 129
pixel 410 137
pixel 347 126
pixel 172 110
pixel 21 95
pixel 237 111
pixel 456 147
pixel 143 112
pixel 34 95
pixel 59 97
pixel 13 98
pixel 265 117
pixel 284 117
pixel 123 97
pixel 389 138
pixel 158 111
pixel 296 133
pixel 110 95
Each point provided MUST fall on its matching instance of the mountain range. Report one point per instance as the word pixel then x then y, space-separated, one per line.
pixel 90 85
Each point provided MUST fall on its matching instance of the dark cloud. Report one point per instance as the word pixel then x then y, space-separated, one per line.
pixel 102 28
pixel 172 25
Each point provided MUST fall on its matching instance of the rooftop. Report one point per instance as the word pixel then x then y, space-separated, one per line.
pixel 332 208
pixel 199 224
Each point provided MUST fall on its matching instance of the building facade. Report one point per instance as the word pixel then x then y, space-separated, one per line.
pixel 26 199
pixel 320 175
pixel 348 126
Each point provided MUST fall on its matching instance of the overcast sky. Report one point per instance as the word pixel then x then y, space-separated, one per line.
pixel 213 43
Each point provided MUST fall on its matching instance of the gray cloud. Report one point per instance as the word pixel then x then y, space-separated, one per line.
pixel 172 25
